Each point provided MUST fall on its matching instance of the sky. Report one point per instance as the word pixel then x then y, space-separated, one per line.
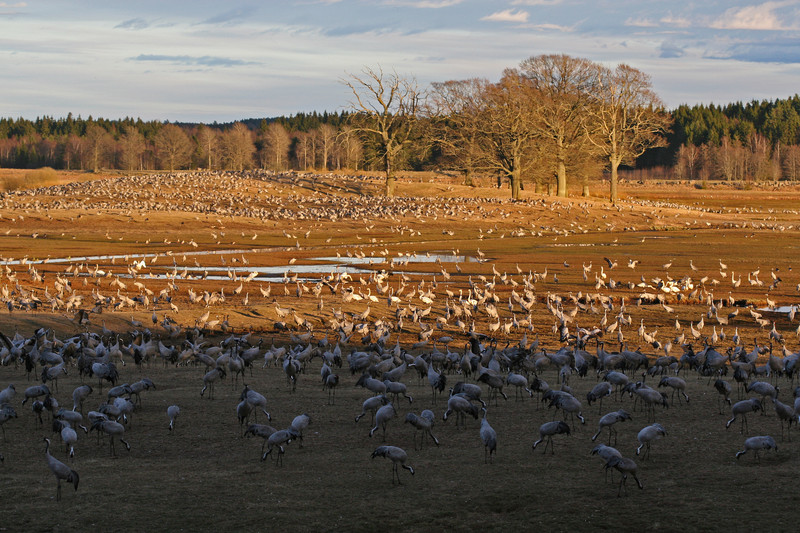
pixel 204 61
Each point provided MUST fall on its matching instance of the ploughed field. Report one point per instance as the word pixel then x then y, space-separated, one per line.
pixel 260 262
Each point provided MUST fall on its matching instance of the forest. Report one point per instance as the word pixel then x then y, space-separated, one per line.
pixel 758 140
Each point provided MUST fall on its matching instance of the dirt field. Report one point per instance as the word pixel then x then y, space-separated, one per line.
pixel 119 250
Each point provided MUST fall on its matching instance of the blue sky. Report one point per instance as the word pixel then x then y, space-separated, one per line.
pixel 205 61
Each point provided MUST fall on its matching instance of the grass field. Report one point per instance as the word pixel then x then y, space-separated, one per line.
pixel 205 475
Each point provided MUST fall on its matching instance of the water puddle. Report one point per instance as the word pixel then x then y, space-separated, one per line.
pixel 780 309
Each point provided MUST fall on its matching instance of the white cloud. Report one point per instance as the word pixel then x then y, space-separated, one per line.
pixel 551 27
pixel 760 17
pixel 641 23
pixel 536 2
pixel 424 4
pixel 18 4
pixel 508 16
pixel 680 22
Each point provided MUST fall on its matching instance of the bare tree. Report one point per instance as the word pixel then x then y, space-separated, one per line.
pixel 507 129
pixel 687 161
pixel 304 150
pixel 97 142
pixel 455 109
pixel 238 147
pixel 73 149
pixel 173 146
pixel 132 146
pixel 626 118
pixel 386 111
pixel 349 147
pixel 791 162
pixel 208 142
pixel 760 158
pixel 562 86
pixel 326 137
pixel 276 144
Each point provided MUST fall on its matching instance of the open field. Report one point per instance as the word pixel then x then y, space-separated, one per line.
pixel 436 246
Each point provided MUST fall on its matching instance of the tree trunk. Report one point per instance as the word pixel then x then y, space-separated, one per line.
pixel 515 184
pixel 562 179
pixel 468 181
pixel 391 181
pixel 614 166
pixel 561 171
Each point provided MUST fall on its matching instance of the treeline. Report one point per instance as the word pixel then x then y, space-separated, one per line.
pixel 755 141
pixel 759 140
pixel 302 141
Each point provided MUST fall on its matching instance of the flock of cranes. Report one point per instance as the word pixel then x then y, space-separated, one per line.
pixel 436 350
pixel 386 378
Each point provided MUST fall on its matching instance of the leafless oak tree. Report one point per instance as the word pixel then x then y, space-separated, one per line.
pixel 276 147
pixel 386 109
pixel 173 146
pixel 561 86
pixel 208 142
pixel 131 148
pixel 627 118
pixel 455 109
pixel 507 129
pixel 238 147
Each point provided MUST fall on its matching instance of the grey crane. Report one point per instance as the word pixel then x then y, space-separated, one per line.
pixel 677 384
pixel 437 381
pixel 598 392
pixel 724 389
pixel 172 413
pixel 520 383
pixel 625 467
pixel 112 429
pixel 6 413
pixel 260 430
pixel 547 430
pixel 422 422
pixel 211 377
pixel 382 417
pixel 398 456
pixel 35 391
pixel 69 436
pixel 462 406
pixel 495 384
pixel 489 438
pixel 468 390
pixel 255 399
pixel 647 435
pixel 372 404
pixel 299 423
pixel 785 413
pixel 608 420
pixel 741 409
pixel 60 470
pixel 397 388
pixel 79 395
pixel 331 381
pixel 763 442
pixel 7 394
pixel 278 439
pixel 605 453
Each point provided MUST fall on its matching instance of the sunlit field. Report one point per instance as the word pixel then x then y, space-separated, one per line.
pixel 222 263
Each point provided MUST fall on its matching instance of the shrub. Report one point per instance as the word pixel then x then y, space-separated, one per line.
pixel 40 176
